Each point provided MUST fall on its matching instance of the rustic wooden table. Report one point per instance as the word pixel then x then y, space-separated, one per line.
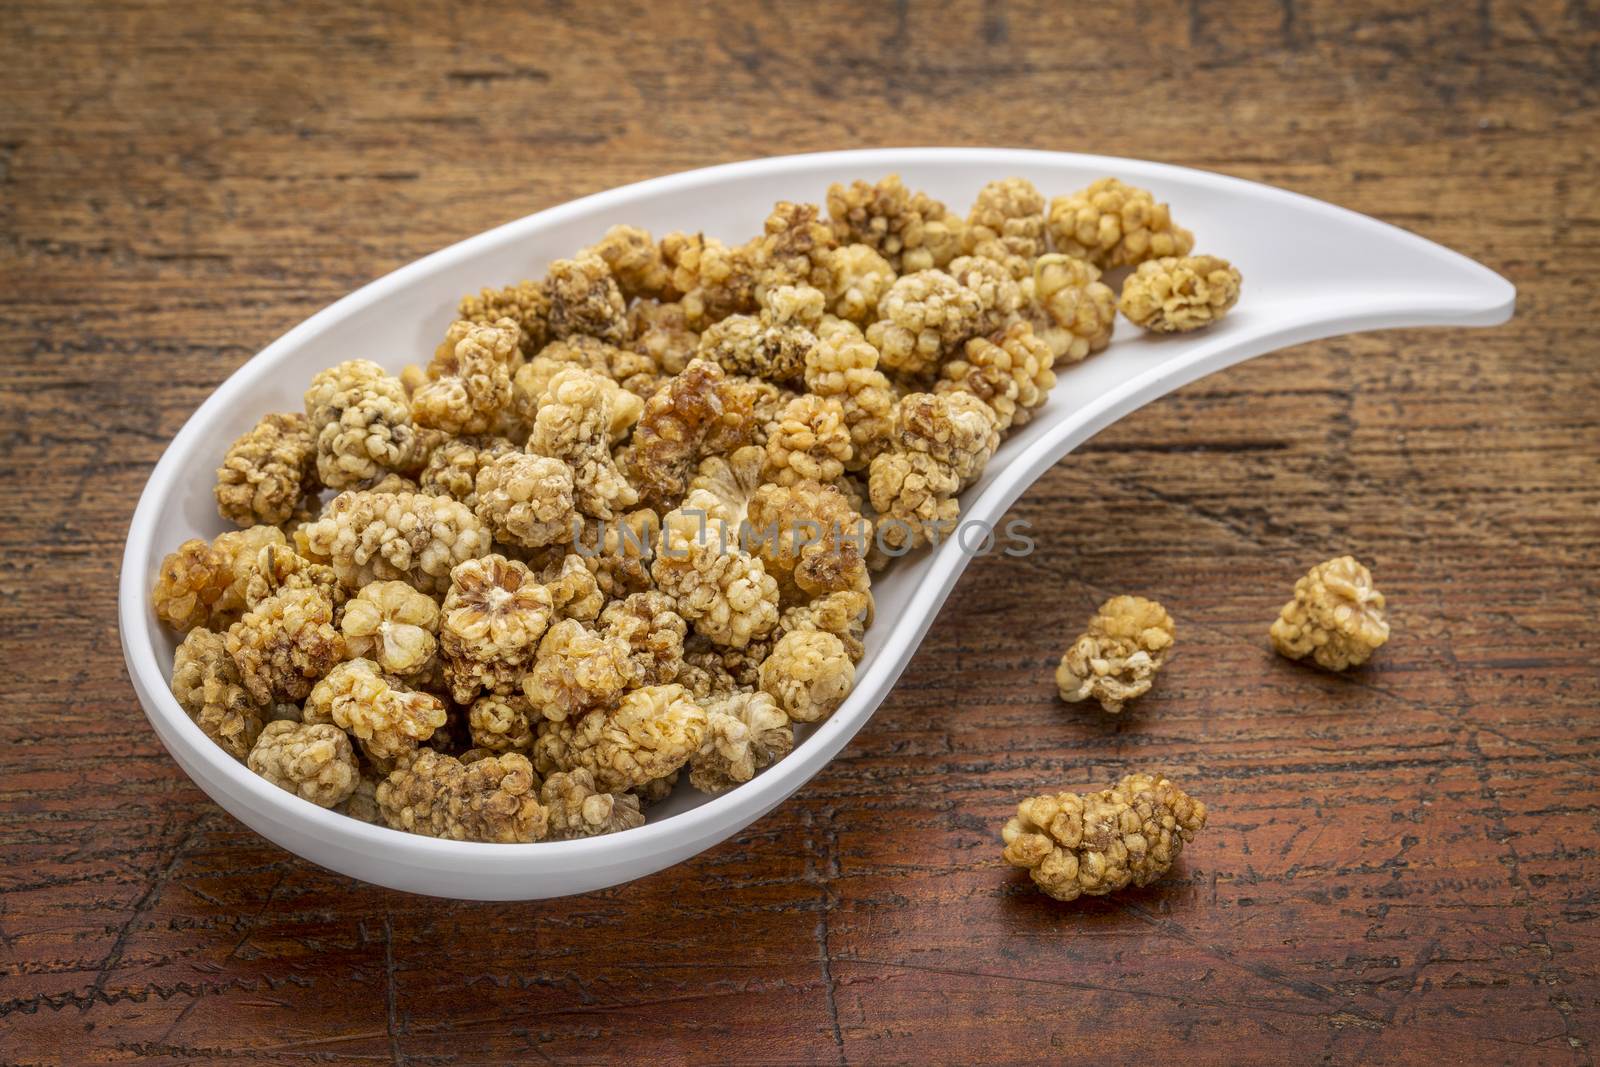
pixel 1401 864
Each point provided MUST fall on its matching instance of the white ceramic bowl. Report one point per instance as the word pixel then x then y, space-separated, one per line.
pixel 1310 270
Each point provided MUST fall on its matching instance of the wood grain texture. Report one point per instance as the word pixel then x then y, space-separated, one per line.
pixel 1402 863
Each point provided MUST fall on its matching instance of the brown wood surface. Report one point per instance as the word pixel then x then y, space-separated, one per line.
pixel 1401 864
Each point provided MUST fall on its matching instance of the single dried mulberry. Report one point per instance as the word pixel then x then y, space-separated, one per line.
pixel 1117 657
pixel 1115 225
pixel 493 618
pixel 502 723
pixel 192 587
pixel 374 708
pixel 1337 616
pixel 264 566
pixel 651 733
pixel 208 686
pixel 573 425
pixel 999 295
pixel 772 345
pixel 648 625
pixel 411 537
pixel 1070 308
pixel 723 485
pixel 618 553
pixel 268 471
pixel 1007 225
pixel 955 428
pixel 393 625
pixel 810 441
pixel 362 420
pixel 923 318
pixel 314 762
pixel 913 231
pixel 1075 844
pixel 914 496
pixel 715 280
pixel 796 248
pixel 576 668
pixel 284 644
pixel 630 377
pixel 526 500
pixel 1178 294
pixel 526 303
pixel 490 799
pixel 635 261
pixel 858 278
pixel 661 333
pixel 845 614
pixel 677 422
pixel 468 390
pixel 725 593
pixel 585 299
pixel 578 808
pixel 844 367
pixel 745 733
pixel 808 674
pixel 809 538
pixel 1009 371
pixel 575 592
pixel 453 467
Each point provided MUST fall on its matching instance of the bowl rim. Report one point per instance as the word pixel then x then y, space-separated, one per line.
pixel 738 806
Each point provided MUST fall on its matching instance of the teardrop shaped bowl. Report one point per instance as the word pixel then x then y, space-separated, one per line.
pixel 1310 270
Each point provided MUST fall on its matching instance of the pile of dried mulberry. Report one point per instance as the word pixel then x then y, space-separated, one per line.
pixel 617 530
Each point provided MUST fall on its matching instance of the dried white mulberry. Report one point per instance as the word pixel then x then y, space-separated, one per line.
pixel 468 387
pixel 651 733
pixel 573 424
pixel 268 471
pixel 923 318
pixel 1177 294
pixel 1075 844
pixel 1337 616
pixel 526 500
pixel 490 799
pixel 1007 225
pixel 745 733
pixel 1070 308
pixel 585 299
pixel 809 674
pixel 411 537
pixel 1115 225
pixel 362 420
pixel 493 618
pixel 314 762
pixel 1009 371
pixel 913 231
pixel 526 303
pixel 374 708
pixel 578 808
pixel 725 593
pixel 284 644
pixel 1117 657
pixel 209 687
pixel 391 624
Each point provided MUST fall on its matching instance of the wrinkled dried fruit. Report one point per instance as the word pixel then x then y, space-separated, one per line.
pixel 1075 844
pixel 809 674
pixel 1115 225
pixel 374 708
pixel 1117 657
pixel 1337 616
pixel 578 809
pixel 393 625
pixel 1178 294
pixel 268 471
pixel 490 799
pixel 315 763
